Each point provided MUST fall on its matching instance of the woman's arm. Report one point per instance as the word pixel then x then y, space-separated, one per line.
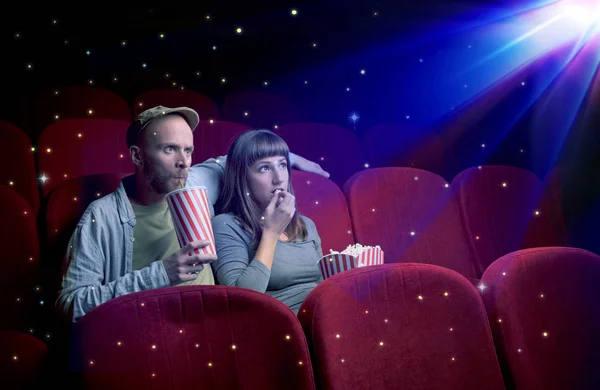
pixel 234 266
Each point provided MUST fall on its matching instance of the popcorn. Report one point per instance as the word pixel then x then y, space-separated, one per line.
pixel 354 256
pixel 354 250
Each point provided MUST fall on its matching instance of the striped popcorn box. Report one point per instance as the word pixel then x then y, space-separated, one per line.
pixel 339 262
pixel 191 217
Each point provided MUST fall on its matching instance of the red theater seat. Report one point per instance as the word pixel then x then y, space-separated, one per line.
pixel 543 307
pixel 502 211
pixel 396 145
pixel 78 102
pixel 79 147
pixel 23 360
pixel 20 261
pixel 213 138
pixel 412 214
pixel 17 165
pixel 204 337
pixel 337 149
pixel 321 200
pixel 202 104
pixel 405 326
pixel 259 109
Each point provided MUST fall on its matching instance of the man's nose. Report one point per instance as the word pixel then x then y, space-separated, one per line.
pixel 184 160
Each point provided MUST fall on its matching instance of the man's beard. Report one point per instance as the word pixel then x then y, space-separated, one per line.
pixel 159 181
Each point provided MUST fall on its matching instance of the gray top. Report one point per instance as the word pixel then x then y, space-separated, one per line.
pixel 294 272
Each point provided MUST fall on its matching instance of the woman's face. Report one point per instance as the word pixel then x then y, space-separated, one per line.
pixel 266 176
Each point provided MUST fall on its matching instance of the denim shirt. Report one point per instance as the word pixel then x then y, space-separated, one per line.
pixel 99 256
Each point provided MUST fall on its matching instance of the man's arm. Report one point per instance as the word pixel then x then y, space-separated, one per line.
pixel 302 164
pixel 210 173
pixel 83 285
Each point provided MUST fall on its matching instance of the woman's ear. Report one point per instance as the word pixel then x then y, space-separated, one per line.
pixel 136 155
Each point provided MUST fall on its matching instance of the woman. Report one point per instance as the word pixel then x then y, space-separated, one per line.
pixel 262 242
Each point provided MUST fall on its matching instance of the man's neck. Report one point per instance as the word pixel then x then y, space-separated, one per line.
pixel 140 193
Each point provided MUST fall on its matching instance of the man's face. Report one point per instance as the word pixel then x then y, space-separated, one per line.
pixel 166 152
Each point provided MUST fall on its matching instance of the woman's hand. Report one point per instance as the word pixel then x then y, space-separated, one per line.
pixel 279 213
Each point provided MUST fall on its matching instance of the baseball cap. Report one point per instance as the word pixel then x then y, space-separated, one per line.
pixel 147 116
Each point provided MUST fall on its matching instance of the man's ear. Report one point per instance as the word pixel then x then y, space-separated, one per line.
pixel 136 155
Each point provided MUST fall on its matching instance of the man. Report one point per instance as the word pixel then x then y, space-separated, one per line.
pixel 125 242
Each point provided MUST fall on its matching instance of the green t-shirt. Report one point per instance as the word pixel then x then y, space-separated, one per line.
pixel 155 239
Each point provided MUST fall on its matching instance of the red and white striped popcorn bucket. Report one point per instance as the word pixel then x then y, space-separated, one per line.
pixel 335 263
pixel 191 217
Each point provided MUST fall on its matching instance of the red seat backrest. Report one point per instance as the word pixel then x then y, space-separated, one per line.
pixel 213 138
pixel 80 147
pixel 543 307
pixel 321 200
pixel 71 102
pixel 502 211
pixel 260 109
pixel 20 261
pixel 409 326
pixel 337 149
pixel 206 337
pixel 412 214
pixel 17 164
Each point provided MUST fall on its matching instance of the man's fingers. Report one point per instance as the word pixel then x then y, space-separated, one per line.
pixel 194 245
pixel 204 258
pixel 195 269
pixel 187 277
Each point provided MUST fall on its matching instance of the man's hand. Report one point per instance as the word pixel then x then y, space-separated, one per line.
pixel 303 164
pixel 184 265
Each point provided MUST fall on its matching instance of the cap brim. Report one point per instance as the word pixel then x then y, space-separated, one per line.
pixel 190 116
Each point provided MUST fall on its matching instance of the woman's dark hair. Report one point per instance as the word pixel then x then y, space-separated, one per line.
pixel 236 197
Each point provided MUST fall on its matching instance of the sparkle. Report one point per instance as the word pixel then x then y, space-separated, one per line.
pixel 354 117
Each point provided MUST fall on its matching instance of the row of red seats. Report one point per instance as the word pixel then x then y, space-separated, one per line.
pixel 414 215
pixel 414 326
pixel 77 147
pixel 254 108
